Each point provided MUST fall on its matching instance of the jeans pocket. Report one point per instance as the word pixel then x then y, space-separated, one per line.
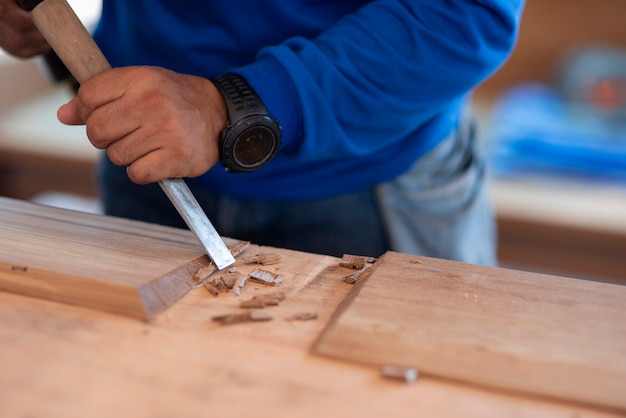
pixel 440 207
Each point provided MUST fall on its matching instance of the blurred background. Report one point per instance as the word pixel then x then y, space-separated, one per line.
pixel 552 121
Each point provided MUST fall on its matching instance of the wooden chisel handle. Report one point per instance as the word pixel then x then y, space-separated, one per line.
pixel 69 38
pixel 57 69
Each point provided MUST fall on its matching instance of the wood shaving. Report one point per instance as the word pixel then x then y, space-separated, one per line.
pixel 302 316
pixel 239 284
pixel 271 297
pixel 252 304
pixel 239 317
pixel 265 259
pixel 352 278
pixel 408 374
pixel 221 284
pixel 239 247
pixel 355 261
pixel 355 277
pixel 265 277
pixel 261 301
pixel 230 278
pixel 212 289
pixel 206 270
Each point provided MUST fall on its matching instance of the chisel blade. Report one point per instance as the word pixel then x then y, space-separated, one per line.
pixel 195 218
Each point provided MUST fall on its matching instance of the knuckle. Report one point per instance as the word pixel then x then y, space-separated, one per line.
pixel 94 135
pixel 85 98
pixel 137 174
pixel 116 156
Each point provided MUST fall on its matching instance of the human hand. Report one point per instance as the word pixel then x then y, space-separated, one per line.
pixel 18 34
pixel 158 123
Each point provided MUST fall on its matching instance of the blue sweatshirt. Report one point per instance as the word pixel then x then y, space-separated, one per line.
pixel 361 88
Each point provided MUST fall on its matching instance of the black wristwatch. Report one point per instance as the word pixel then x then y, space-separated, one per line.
pixel 251 137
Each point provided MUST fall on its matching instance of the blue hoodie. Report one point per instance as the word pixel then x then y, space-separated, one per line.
pixel 361 88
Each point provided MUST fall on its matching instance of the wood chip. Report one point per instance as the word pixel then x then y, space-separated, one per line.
pixel 355 261
pixel 352 278
pixel 270 298
pixel 265 259
pixel 206 270
pixel 357 276
pixel 261 301
pixel 212 289
pixel 239 247
pixel 230 278
pixel 259 315
pixel 239 284
pixel 221 284
pixel 408 374
pixel 302 316
pixel 252 304
pixel 265 277
pixel 239 317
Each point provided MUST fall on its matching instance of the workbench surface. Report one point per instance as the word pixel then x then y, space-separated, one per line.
pixel 58 360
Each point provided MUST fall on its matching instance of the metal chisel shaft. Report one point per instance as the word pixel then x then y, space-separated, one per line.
pixel 195 218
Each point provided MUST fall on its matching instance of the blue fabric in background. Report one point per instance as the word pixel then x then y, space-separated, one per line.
pixel 535 133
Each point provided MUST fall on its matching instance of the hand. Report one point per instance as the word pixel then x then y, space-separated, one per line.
pixel 18 34
pixel 158 123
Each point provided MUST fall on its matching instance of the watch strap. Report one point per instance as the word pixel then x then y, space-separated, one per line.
pixel 241 99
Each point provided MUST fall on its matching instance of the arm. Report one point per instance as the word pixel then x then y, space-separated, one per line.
pixel 381 72
pixel 369 81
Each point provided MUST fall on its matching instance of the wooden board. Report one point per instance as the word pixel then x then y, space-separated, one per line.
pixel 534 333
pixel 57 361
pixel 111 264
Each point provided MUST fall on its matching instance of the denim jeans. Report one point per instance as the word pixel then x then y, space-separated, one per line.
pixel 348 223
pixel 439 209
pixel 441 206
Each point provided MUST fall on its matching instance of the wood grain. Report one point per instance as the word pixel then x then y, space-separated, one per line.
pixel 58 360
pixel 112 264
pixel 182 364
pixel 533 333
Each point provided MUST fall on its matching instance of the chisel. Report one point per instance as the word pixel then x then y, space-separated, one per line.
pixel 73 44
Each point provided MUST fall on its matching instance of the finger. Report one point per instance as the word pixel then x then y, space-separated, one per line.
pixel 92 94
pixel 68 114
pixel 131 148
pixel 18 34
pixel 153 167
pixel 112 122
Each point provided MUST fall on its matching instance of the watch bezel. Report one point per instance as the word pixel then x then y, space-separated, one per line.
pixel 236 131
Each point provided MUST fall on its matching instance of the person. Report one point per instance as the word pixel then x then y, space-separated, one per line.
pixel 376 149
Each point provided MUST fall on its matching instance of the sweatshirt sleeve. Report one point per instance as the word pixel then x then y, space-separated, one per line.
pixel 380 73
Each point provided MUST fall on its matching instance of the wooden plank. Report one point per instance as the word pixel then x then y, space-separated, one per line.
pixel 533 333
pixel 112 264
pixel 182 364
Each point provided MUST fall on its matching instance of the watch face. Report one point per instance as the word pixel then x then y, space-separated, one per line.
pixel 255 145
pixel 249 144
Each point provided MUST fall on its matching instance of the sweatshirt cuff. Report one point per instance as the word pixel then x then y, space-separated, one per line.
pixel 273 85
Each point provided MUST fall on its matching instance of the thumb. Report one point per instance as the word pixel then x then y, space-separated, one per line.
pixel 68 114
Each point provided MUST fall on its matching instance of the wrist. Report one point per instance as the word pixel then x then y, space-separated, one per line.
pixel 251 137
